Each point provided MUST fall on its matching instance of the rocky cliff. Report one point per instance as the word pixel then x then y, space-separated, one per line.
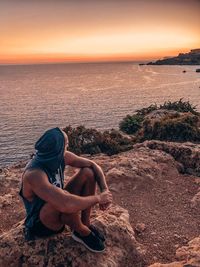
pixel 186 256
pixel 60 250
pixel 157 183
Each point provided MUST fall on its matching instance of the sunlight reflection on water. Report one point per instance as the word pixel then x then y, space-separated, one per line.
pixel 37 97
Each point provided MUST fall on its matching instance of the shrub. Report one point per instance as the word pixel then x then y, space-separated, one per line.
pixel 83 140
pixel 180 106
pixel 90 141
pixel 171 128
pixel 131 124
pixel 147 110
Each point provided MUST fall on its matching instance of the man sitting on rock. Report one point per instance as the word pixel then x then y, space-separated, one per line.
pixel 49 205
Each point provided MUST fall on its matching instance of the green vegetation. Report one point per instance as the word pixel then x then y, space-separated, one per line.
pixel 173 121
pixel 174 127
pixel 132 123
pixel 180 106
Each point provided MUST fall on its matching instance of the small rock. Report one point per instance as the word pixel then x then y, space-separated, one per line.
pixel 140 227
pixel 153 233
pixel 61 251
pixel 116 187
pixel 5 200
pixel 197 181
pixel 177 236
pixel 195 200
pixel 155 258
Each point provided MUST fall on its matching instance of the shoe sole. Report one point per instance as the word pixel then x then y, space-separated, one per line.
pixel 82 242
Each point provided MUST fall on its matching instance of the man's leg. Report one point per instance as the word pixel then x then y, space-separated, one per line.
pixel 82 183
pixel 55 220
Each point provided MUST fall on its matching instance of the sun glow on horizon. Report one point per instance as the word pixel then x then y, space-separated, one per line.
pixel 120 36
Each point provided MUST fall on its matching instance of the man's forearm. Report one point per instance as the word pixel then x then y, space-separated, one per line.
pixel 76 203
pixel 100 177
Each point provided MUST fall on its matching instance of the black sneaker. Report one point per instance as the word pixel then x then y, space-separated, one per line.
pixel 90 241
pixel 97 232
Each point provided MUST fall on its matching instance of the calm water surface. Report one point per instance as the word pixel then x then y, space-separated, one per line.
pixel 34 98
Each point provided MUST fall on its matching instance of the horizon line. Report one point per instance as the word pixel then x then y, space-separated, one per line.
pixel 75 62
pixel 78 59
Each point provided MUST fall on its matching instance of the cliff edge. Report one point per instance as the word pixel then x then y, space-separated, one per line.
pixel 157 182
pixel 60 250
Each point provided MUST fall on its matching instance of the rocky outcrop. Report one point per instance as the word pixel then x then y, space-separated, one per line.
pixel 160 114
pixel 191 58
pixel 151 181
pixel 187 256
pixel 188 154
pixel 195 201
pixel 172 121
pixel 60 250
pixel 169 125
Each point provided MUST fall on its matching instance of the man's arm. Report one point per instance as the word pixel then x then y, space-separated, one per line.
pixel 60 199
pixel 80 162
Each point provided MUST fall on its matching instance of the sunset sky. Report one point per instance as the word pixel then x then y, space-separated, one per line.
pixel 36 31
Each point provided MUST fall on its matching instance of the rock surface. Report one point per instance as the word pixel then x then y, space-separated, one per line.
pixel 157 182
pixel 188 154
pixel 61 250
pixel 187 256
pixel 170 125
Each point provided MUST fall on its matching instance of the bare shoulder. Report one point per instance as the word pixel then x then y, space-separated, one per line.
pixel 37 183
pixel 35 176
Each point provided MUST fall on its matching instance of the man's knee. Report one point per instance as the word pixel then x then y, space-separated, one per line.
pixel 88 173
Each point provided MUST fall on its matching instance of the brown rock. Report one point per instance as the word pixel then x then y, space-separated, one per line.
pixel 140 227
pixel 195 200
pixel 147 181
pixel 188 256
pixel 60 250
pixel 188 154
pixel 5 200
pixel 173 264
pixel 191 253
pixel 159 114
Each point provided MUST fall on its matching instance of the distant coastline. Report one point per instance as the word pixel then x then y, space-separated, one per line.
pixel 191 58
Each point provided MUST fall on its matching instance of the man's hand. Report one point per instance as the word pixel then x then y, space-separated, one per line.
pixel 105 199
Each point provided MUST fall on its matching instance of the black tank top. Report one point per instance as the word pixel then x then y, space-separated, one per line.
pixel 33 207
pixel 49 158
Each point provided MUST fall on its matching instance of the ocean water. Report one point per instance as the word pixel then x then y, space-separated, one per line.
pixel 34 98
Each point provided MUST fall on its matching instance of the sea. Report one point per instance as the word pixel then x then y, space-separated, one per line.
pixel 34 98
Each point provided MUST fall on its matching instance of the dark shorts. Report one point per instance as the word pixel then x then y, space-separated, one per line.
pixel 40 230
